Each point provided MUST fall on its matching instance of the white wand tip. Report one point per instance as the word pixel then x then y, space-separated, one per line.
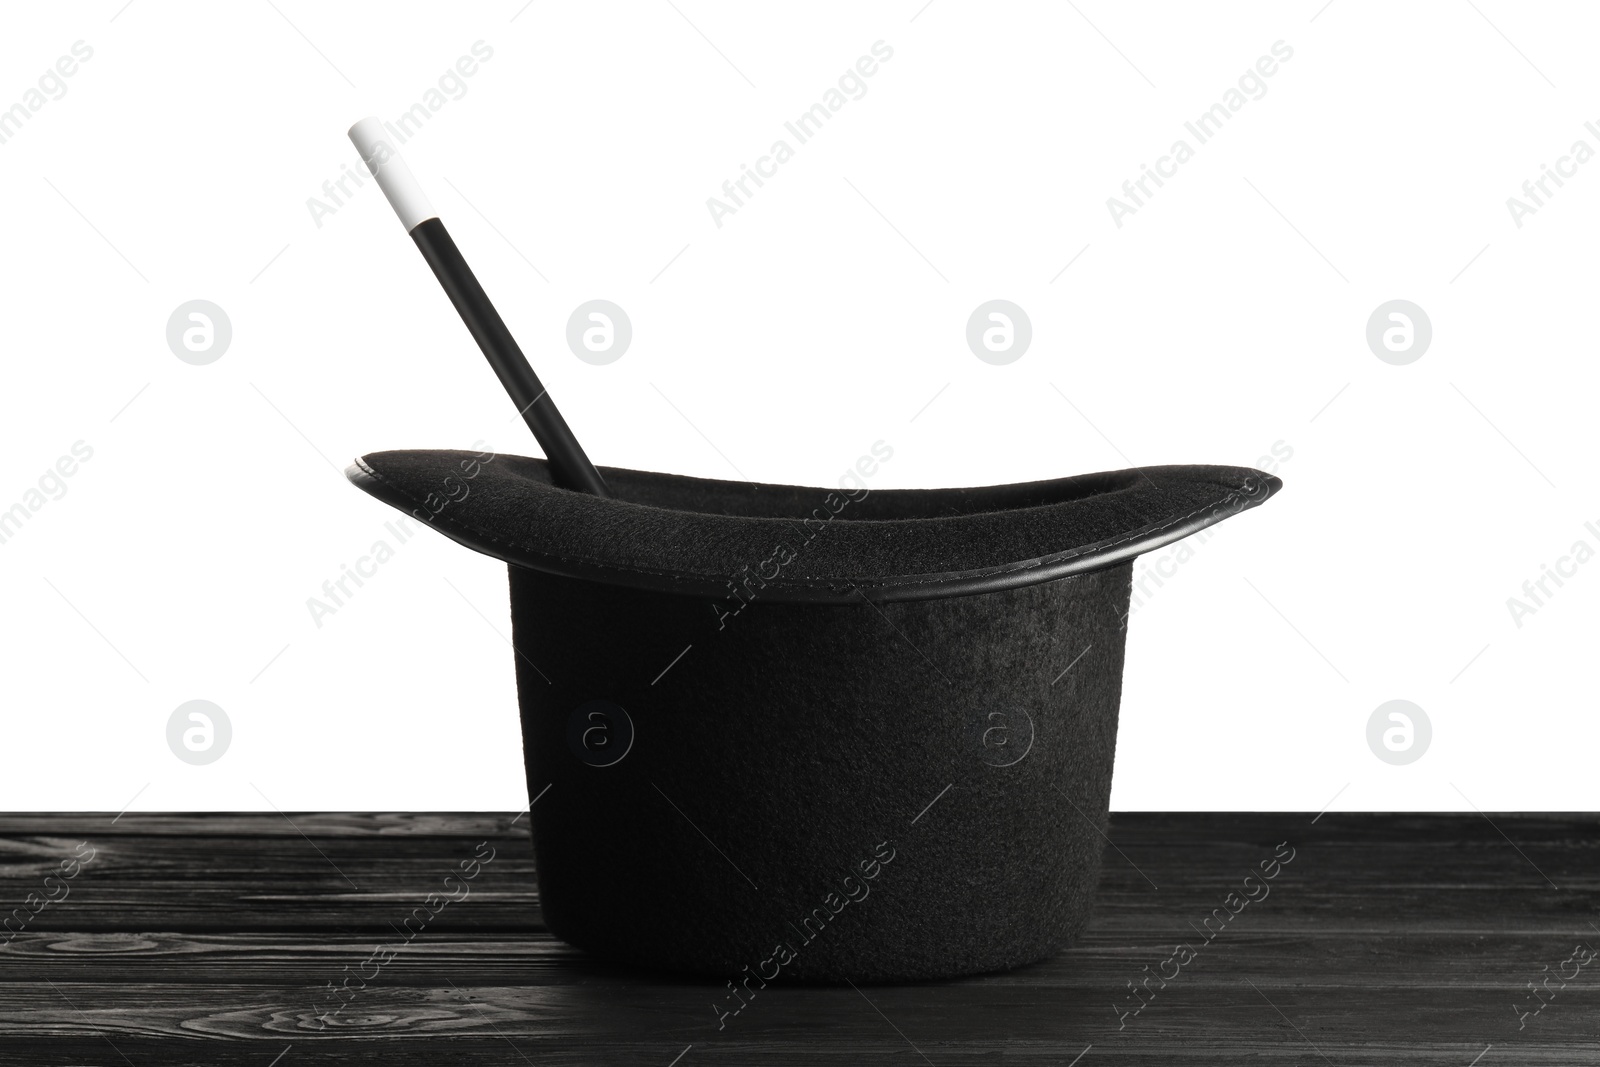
pixel 376 145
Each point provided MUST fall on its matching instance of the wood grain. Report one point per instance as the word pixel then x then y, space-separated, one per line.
pixel 193 939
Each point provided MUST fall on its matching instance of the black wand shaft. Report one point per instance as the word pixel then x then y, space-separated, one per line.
pixel 569 465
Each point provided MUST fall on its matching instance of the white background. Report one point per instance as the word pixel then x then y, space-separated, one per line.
pixel 1228 315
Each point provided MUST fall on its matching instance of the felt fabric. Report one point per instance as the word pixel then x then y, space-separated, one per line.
pixel 697 536
pixel 783 751
pixel 778 733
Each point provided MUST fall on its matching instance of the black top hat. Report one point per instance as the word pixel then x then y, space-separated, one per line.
pixel 829 734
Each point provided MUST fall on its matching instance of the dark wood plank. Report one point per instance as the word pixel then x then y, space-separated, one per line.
pixel 210 939
pixel 301 872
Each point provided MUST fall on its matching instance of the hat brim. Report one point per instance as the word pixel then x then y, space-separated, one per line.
pixel 693 536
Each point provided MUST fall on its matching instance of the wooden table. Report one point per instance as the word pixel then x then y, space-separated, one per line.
pixel 213 939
